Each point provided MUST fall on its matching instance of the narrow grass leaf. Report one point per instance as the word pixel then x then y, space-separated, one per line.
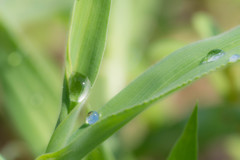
pixel 101 152
pixel 30 99
pixel 87 37
pixel 186 147
pixel 212 123
pixel 84 54
pixel 172 73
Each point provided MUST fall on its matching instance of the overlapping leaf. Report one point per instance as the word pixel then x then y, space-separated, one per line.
pixel 173 72
pixel 84 54
pixel 30 91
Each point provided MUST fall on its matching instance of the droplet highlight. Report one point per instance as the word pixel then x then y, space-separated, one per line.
pixel 79 86
pixel 234 58
pixel 92 118
pixel 213 55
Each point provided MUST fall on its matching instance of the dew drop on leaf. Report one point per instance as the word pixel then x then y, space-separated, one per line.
pixel 92 118
pixel 213 55
pixel 234 58
pixel 79 86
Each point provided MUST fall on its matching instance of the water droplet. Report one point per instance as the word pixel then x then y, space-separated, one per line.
pixel 234 58
pixel 79 87
pixel 14 59
pixel 92 118
pixel 213 55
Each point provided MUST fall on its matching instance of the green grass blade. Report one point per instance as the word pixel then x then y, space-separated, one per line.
pixel 84 54
pixel 87 37
pixel 172 73
pixel 30 100
pixel 101 152
pixel 31 108
pixel 186 147
pixel 212 124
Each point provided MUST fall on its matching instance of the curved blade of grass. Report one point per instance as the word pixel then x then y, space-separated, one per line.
pixel 101 152
pixel 31 117
pixel 37 79
pixel 212 123
pixel 87 37
pixel 173 72
pixel 84 54
pixel 186 147
pixel 30 99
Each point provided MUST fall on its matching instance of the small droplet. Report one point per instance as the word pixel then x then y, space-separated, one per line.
pixel 234 58
pixel 79 87
pixel 213 55
pixel 92 118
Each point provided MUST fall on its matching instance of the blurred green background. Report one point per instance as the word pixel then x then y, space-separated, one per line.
pixel 33 36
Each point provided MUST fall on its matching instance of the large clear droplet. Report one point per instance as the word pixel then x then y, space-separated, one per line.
pixel 213 55
pixel 79 87
pixel 92 118
pixel 234 58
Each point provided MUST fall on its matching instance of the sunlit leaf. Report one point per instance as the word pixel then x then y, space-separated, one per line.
pixel 173 72
pixel 84 54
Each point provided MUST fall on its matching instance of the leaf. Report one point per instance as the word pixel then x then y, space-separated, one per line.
pixel 30 95
pixel 101 152
pixel 87 37
pixel 84 54
pixel 213 121
pixel 186 147
pixel 97 153
pixel 172 73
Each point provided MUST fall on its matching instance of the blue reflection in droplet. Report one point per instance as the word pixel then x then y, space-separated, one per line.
pixel 234 58
pixel 92 118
